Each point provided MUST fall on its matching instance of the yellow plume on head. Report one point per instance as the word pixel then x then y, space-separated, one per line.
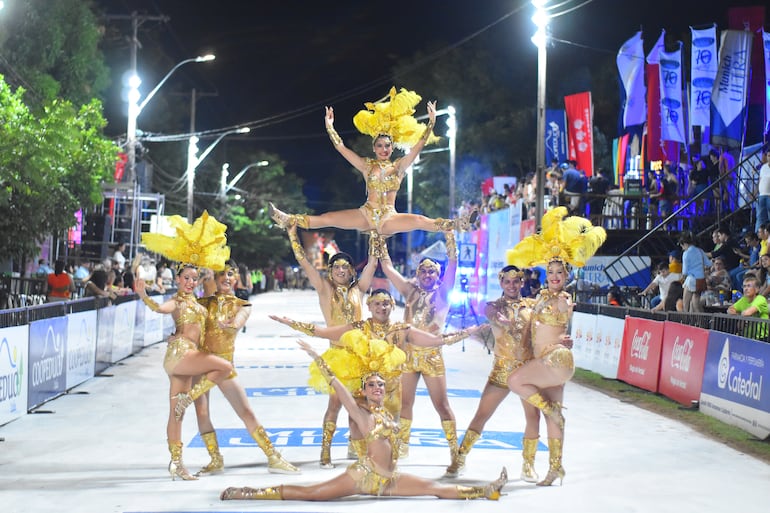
pixel 393 116
pixel 202 244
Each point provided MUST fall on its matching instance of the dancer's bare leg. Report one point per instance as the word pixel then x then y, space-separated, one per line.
pixel 351 219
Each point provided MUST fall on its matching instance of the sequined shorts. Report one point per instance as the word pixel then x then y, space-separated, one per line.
pixel 176 350
pixel 368 480
pixel 375 216
pixel 502 370
pixel 426 360
pixel 558 357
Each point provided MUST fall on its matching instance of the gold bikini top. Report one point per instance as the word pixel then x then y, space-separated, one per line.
pixel 385 427
pixel 190 312
pixel 546 312
pixel 379 180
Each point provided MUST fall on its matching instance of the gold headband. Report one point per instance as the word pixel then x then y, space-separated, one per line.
pixel 380 296
pixel 368 375
pixel 429 264
pixel 344 262
pixel 510 274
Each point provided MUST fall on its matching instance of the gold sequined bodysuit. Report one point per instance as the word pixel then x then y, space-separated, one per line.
pixel 546 313
pixel 345 306
pixel 512 347
pixel 425 310
pixel 370 478
pixel 220 308
pixel 190 321
pixel 380 180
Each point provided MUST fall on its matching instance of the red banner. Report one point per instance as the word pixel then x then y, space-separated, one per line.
pixel 683 358
pixel 580 130
pixel 640 355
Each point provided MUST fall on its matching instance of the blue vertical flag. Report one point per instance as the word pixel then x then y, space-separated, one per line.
pixel 729 97
pixel 766 46
pixel 671 104
pixel 630 63
pixel 555 135
pixel 703 71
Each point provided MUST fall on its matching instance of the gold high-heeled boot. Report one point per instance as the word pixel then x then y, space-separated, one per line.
pixel 326 444
pixel 217 463
pixel 450 432
pixel 284 220
pixel 273 493
pixel 490 491
pixel 554 463
pixel 275 462
pixel 185 399
pixel 176 466
pixel 458 463
pixel 528 450
pixel 404 434
pixel 550 409
pixel 464 223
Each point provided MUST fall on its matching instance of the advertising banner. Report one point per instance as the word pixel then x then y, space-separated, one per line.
pixel 47 350
pixel 671 100
pixel 682 360
pixel 734 388
pixel 14 368
pixel 729 97
pixel 629 271
pixel 630 63
pixel 123 331
pixel 580 130
pixel 105 325
pixel 585 350
pixel 640 355
pixel 81 347
pixel 555 135
pixel 703 72
pixel 609 342
pixel 766 56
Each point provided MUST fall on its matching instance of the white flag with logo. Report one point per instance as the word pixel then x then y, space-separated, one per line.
pixel 630 63
pixel 766 46
pixel 703 70
pixel 729 98
pixel 671 104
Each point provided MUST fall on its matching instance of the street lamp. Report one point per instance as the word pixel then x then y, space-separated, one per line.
pixel 193 161
pixel 540 39
pixel 224 187
pixel 135 108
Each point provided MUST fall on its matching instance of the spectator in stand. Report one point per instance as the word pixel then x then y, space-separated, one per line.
pixel 764 275
pixel 699 181
pixel 749 257
pixel 82 271
pixel 694 265
pixel 727 248
pixel 165 274
pixel 575 187
pixel 60 284
pixel 669 187
pixel 280 278
pixel 118 256
pixel 752 304
pixel 97 285
pixel 675 263
pixel 43 269
pixel 661 283
pixel 674 301
pixel 128 280
pixel 718 284
pixel 615 297
pixel 763 233
pixel 763 202
pixel 598 186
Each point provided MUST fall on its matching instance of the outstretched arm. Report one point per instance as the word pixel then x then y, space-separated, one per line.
pixel 355 160
pixel 422 338
pixel 165 308
pixel 395 277
pixel 313 276
pixel 367 274
pixel 410 157
pixel 448 281
pixel 308 328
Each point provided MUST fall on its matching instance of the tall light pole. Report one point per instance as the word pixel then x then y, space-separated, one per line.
pixel 227 187
pixel 193 161
pixel 540 39
pixel 135 108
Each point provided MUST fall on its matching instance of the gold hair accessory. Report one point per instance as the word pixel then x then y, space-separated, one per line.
pixel 356 357
pixel 380 296
pixel 572 240
pixel 202 244
pixel 393 116
pixel 510 274
pixel 429 264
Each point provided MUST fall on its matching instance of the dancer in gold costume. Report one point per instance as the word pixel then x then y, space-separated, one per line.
pixel 540 381
pixel 375 473
pixel 202 243
pixel 340 295
pixel 226 315
pixel 427 306
pixel 380 304
pixel 390 123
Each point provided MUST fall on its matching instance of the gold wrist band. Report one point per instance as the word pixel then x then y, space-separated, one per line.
pixel 451 338
pixel 152 305
pixel 308 328
pixel 451 245
pixel 334 136
pixel 428 131
pixel 326 372
pixel 296 247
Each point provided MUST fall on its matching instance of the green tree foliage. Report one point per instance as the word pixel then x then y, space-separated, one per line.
pixel 52 163
pixel 52 50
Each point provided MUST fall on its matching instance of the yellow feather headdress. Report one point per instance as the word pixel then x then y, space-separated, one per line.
pixel 357 356
pixel 393 116
pixel 572 240
pixel 202 244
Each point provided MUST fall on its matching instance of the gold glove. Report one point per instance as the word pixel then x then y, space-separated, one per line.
pixel 334 136
pixel 427 132
pixel 452 338
pixel 326 372
pixel 152 305
pixel 451 245
pixel 296 247
pixel 308 328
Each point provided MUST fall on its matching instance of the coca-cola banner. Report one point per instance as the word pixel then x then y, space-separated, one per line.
pixel 640 355
pixel 681 364
pixel 734 386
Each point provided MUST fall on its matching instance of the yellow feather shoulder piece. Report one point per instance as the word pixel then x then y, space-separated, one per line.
pixel 202 244
pixel 393 116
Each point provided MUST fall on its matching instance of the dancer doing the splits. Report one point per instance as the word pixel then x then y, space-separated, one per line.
pixel 375 473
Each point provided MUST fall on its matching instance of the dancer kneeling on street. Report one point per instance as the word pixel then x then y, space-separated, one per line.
pixel 375 473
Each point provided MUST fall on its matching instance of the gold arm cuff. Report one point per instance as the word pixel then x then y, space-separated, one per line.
pixel 326 372
pixel 452 338
pixel 296 247
pixel 308 328
pixel 428 131
pixel 334 136
pixel 152 305
pixel 451 245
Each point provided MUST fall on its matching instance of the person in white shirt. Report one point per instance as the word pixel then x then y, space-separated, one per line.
pixel 661 283
pixel 118 257
pixel 763 202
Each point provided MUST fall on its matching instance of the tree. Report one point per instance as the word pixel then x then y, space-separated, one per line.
pixel 51 165
pixel 52 50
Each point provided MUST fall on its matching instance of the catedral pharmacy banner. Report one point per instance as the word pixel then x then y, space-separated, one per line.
pixel 14 347
pixel 735 381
